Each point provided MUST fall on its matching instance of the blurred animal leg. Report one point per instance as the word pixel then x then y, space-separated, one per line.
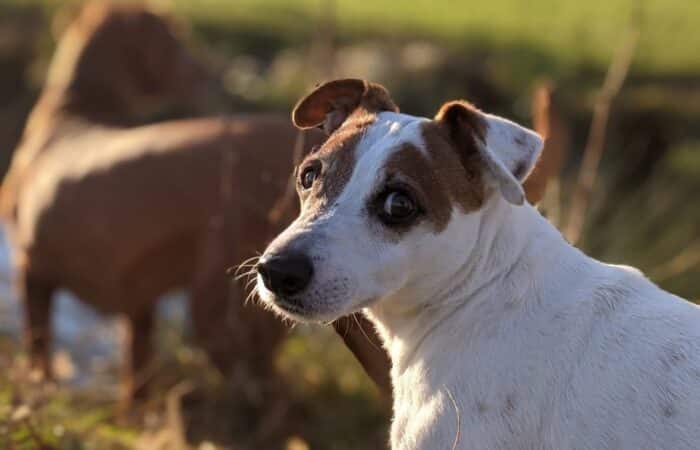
pixel 209 298
pixel 240 339
pixel 138 349
pixel 36 297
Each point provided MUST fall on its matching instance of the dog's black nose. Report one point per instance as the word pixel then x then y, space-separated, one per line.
pixel 285 274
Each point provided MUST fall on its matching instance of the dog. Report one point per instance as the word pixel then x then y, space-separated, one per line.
pixel 120 213
pixel 500 333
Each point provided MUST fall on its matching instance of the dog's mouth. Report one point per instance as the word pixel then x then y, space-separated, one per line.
pixel 292 310
pixel 295 310
pixel 323 303
pixel 290 306
pixel 298 310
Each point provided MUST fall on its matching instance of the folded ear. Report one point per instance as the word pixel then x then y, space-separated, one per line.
pixel 508 150
pixel 330 103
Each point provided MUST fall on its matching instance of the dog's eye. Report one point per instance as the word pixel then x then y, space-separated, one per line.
pixel 308 176
pixel 399 207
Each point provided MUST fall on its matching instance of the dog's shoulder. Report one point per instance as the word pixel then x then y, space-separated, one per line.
pixel 639 357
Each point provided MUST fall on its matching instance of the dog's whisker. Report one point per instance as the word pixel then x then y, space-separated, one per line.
pixel 245 274
pixel 233 271
pixel 251 295
pixel 250 262
pixel 249 269
pixel 252 258
pixel 364 333
pixel 346 328
pixel 236 272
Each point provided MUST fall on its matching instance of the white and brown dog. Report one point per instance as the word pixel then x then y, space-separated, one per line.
pixel 501 334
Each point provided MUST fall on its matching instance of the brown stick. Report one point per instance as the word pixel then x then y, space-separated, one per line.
pixel 174 419
pixel 361 338
pixel 614 79
pixel 679 264
pixel 549 124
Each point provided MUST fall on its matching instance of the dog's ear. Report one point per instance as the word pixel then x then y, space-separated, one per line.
pixel 508 150
pixel 330 103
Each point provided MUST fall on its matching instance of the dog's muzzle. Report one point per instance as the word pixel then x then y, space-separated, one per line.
pixel 285 274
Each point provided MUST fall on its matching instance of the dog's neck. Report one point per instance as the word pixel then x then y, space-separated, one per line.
pixel 510 239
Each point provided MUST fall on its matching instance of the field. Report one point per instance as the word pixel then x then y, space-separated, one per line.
pixel 267 53
pixel 567 33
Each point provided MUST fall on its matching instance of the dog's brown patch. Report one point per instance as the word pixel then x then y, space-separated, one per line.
pixel 449 172
pixel 443 177
pixel 463 121
pixel 458 166
pixel 409 164
pixel 334 102
pixel 376 99
pixel 337 157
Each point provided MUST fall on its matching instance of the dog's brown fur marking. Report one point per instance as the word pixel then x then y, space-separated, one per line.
pixel 409 164
pixel 447 175
pixel 346 108
pixel 459 168
pixel 463 121
pixel 338 157
pixel 376 99
pixel 332 103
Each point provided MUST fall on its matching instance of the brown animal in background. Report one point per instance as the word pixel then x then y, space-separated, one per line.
pixel 120 215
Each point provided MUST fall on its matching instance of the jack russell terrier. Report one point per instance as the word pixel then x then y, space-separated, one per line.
pixel 500 333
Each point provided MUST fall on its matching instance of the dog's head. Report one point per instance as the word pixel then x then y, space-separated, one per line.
pixel 126 52
pixel 390 203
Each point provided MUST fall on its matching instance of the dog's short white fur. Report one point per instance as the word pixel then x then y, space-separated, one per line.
pixel 500 333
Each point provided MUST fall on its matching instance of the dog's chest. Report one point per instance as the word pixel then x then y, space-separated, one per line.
pixel 470 409
pixel 487 374
pixel 441 422
pixel 569 375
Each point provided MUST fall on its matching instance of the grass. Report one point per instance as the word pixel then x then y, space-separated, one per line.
pixel 331 403
pixel 570 33
pixel 36 416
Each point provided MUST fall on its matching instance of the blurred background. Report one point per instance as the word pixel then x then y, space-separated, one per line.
pixel 614 83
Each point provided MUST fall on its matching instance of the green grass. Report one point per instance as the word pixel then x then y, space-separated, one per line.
pixel 332 403
pixel 511 43
pixel 46 417
pixel 568 32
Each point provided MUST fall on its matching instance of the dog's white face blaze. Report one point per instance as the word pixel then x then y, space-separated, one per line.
pixel 359 261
